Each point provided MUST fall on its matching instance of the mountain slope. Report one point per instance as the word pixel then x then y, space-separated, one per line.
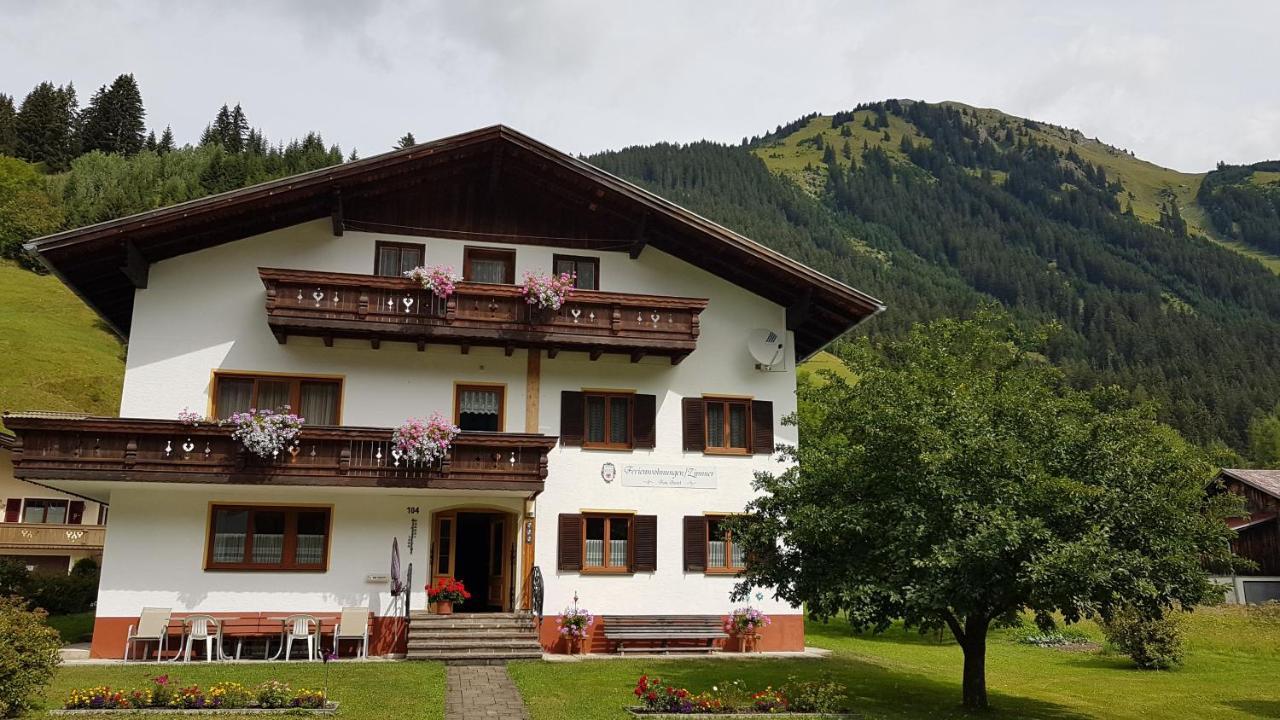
pixel 936 208
pixel 54 353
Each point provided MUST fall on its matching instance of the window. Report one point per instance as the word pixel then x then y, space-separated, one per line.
pixel 727 425
pixel 607 420
pixel 479 407
pixel 489 265
pixel 44 511
pixel 393 259
pixel 587 270
pixel 722 554
pixel 316 400
pixel 606 543
pixel 268 538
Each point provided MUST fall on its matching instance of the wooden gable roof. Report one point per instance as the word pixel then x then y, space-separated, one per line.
pixel 491 184
pixel 1265 481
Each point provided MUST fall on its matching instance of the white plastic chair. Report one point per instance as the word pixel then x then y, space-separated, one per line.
pixel 353 624
pixel 153 626
pixel 300 627
pixel 208 629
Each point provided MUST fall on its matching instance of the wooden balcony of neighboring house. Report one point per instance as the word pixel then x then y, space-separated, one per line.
pixel 51 447
pixel 51 536
pixel 373 308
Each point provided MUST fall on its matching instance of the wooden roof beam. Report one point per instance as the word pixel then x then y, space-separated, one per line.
pixel 135 265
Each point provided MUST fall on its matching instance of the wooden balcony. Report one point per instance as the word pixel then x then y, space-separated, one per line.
pixel 40 536
pixel 368 307
pixel 121 449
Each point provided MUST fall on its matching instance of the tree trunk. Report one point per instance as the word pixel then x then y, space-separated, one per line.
pixel 974 645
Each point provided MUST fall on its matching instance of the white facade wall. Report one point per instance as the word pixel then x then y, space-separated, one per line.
pixel 205 311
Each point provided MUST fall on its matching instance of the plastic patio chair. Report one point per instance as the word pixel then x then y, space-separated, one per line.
pixel 353 624
pixel 208 629
pixel 153 626
pixel 301 627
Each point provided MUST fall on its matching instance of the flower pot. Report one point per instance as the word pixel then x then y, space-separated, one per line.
pixel 742 643
pixel 577 646
pixel 541 315
pixel 444 607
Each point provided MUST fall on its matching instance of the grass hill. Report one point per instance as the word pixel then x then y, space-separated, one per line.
pixel 54 352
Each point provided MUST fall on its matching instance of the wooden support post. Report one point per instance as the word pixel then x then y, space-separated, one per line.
pixel 595 354
pixel 532 390
pixel 335 214
pixel 466 348
pixel 375 343
pixel 639 242
pixel 638 355
pixel 135 266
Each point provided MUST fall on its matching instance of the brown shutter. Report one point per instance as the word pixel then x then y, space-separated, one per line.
pixel 569 552
pixel 695 426
pixel 13 510
pixel 762 427
pixel 645 423
pixel 695 543
pixel 645 558
pixel 571 418
pixel 75 512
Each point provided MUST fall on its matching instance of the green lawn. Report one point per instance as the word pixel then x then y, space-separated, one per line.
pixel 1230 673
pixel 374 690
pixel 55 354
pixel 72 628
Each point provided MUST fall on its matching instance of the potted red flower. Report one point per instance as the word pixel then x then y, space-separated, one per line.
pixel 445 592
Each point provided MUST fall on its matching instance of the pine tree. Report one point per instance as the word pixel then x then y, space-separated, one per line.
pixel 166 141
pixel 237 131
pixel 407 140
pixel 354 156
pixel 8 130
pixel 114 120
pixel 151 141
pixel 45 125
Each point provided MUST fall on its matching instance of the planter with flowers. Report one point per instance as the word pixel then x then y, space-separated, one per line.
pixel 445 592
pixel 743 628
pixel 265 433
pixel 423 441
pixel 574 625
pixel 441 280
pixel 546 294
pixel 809 698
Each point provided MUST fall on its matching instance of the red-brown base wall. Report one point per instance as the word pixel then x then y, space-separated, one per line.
pixel 784 634
pixel 386 634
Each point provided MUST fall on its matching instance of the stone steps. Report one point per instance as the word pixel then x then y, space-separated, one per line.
pixel 472 638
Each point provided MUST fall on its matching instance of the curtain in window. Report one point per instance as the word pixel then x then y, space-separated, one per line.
pixel 229 532
pixel 595 419
pixel 310 546
pixel 619 419
pixel 737 426
pixel 617 553
pixel 715 424
pixel 586 276
pixel 480 402
pixel 488 271
pixel 234 395
pixel 319 404
pixel 388 261
pixel 273 394
pixel 268 537
pixel 739 556
pixel 715 553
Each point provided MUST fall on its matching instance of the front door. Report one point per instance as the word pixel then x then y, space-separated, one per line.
pixel 474 547
pixel 497 561
pixel 444 541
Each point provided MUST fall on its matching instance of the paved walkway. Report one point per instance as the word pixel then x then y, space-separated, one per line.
pixel 481 692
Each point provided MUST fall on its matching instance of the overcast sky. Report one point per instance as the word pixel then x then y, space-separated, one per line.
pixel 1182 84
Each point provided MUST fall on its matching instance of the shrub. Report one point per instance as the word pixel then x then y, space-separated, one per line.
pixel 274 694
pixel 1154 643
pixel 814 696
pixel 1030 634
pixel 28 655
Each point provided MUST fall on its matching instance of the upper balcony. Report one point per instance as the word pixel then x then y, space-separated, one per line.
pixel 42 536
pixel 368 307
pixel 52 447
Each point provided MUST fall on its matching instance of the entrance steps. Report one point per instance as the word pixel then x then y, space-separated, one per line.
pixel 473 638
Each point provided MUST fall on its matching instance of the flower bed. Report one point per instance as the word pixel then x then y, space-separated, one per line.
pixel 802 698
pixel 166 695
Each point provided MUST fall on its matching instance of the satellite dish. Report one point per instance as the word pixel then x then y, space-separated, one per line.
pixel 767 347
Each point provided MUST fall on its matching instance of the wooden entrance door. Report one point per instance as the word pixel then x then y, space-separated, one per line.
pixel 444 541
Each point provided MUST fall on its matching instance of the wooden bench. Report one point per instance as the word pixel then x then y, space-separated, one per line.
pixel 657 632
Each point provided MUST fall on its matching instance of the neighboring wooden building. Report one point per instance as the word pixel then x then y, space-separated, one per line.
pixel 1259 532
pixel 44 529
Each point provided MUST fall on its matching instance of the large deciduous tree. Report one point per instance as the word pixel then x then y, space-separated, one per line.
pixel 959 481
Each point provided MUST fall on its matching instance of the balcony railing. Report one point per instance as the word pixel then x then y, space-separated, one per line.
pixel 368 307
pixel 32 536
pixel 121 449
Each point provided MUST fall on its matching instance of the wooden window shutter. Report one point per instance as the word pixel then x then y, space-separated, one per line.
pixel 695 543
pixel 75 512
pixel 571 418
pixel 646 421
pixel 646 538
pixel 695 426
pixel 569 551
pixel 13 510
pixel 762 427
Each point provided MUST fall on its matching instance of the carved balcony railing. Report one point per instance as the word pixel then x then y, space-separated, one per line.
pixel 40 536
pixel 368 307
pixel 121 449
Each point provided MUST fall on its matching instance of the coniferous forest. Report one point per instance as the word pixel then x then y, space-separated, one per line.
pixel 929 207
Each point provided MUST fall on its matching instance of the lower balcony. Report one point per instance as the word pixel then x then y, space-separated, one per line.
pixel 51 447
pixel 377 309
pixel 16 537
